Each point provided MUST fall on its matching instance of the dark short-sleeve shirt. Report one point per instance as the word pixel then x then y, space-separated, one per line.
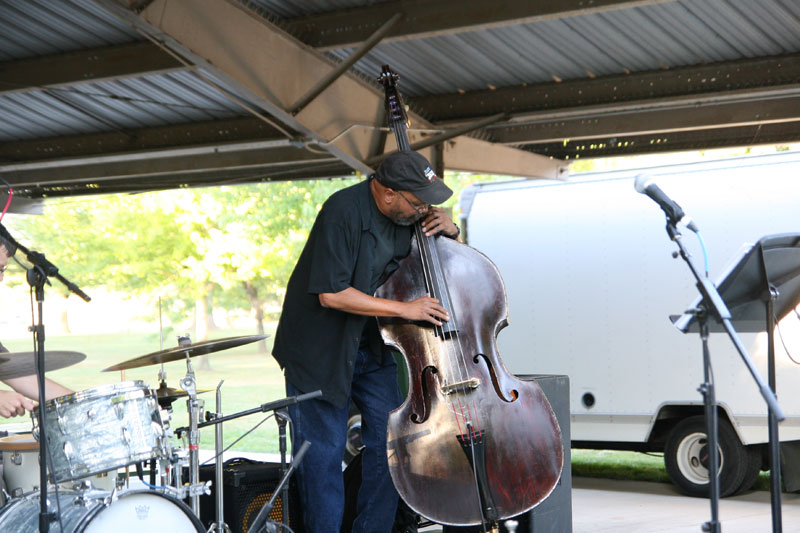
pixel 315 345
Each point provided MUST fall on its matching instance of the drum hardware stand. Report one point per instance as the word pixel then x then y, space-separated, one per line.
pixel 220 525
pixel 263 514
pixel 275 406
pixel 189 384
pixel 37 276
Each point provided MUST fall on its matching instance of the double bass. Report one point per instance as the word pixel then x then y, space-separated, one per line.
pixel 471 444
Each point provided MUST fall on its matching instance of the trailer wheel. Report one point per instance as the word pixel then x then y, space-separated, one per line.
pixel 686 458
pixel 752 469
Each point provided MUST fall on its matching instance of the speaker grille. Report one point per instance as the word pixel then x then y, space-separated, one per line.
pixel 248 485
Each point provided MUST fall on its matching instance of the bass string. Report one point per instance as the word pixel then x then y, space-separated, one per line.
pixel 455 351
pixel 435 280
pixel 460 357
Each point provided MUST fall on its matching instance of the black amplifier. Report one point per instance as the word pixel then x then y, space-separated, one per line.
pixel 247 486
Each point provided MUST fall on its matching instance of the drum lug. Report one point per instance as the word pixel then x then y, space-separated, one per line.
pixel 83 500
pixel 119 409
pixel 83 485
pixel 16 458
pixel 62 426
pixel 126 437
pixel 68 452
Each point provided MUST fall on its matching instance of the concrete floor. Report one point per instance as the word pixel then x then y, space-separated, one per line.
pixel 604 505
pixel 628 506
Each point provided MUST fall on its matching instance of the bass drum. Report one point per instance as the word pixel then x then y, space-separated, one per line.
pixel 133 512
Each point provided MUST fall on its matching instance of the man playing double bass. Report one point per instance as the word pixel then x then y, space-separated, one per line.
pixel 328 338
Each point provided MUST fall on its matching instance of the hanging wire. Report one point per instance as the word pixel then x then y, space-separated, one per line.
pixel 231 445
pixel 8 201
pixel 780 336
pixel 705 252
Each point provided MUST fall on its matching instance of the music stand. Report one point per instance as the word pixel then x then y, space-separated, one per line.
pixel 760 288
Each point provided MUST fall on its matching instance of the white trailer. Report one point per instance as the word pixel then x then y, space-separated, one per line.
pixel 591 282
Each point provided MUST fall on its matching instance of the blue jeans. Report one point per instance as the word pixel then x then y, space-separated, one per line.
pixel 319 475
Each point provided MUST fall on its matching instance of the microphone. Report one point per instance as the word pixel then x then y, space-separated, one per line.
pixel 645 184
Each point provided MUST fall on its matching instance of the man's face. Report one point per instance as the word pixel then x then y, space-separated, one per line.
pixel 408 210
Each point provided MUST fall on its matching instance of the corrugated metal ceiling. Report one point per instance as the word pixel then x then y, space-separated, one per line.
pixel 32 28
pixel 496 68
pixel 660 36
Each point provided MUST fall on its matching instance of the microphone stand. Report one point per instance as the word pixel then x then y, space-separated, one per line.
pixel 713 306
pixel 37 276
pixel 262 516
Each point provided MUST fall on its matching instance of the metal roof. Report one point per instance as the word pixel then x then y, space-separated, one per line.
pixel 90 78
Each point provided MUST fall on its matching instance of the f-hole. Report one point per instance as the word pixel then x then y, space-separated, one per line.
pixel 513 394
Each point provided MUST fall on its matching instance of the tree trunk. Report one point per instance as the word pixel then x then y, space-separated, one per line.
pixel 211 326
pixel 65 316
pixel 257 305
pixel 201 329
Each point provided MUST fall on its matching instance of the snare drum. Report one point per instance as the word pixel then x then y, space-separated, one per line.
pixel 132 512
pixel 21 466
pixel 100 429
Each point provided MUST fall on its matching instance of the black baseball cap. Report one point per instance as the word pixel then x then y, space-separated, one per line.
pixel 409 171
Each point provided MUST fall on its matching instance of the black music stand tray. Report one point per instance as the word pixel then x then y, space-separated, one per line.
pixel 760 288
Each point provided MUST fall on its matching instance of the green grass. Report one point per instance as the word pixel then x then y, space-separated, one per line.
pixel 611 464
pixel 251 379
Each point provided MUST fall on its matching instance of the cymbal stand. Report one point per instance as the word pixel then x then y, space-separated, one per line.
pixel 189 384
pixel 220 524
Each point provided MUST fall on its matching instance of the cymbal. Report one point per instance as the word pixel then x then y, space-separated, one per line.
pixel 169 394
pixel 180 352
pixel 19 364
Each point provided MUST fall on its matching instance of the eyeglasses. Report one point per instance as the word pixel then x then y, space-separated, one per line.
pixel 419 209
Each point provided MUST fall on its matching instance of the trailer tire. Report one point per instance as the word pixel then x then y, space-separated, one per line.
pixel 752 469
pixel 685 456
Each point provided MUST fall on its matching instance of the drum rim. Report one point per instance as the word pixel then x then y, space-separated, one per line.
pixel 10 444
pixel 101 391
pixel 80 526
pixel 194 519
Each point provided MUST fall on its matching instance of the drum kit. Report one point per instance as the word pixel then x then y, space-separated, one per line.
pixel 93 433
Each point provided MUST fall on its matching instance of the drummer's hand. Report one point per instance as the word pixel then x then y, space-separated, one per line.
pixel 438 220
pixel 14 404
pixel 426 308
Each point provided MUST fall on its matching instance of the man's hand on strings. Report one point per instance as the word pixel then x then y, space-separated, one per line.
pixel 438 220
pixel 426 309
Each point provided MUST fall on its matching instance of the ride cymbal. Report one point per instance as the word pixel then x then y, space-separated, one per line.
pixel 19 364
pixel 180 352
